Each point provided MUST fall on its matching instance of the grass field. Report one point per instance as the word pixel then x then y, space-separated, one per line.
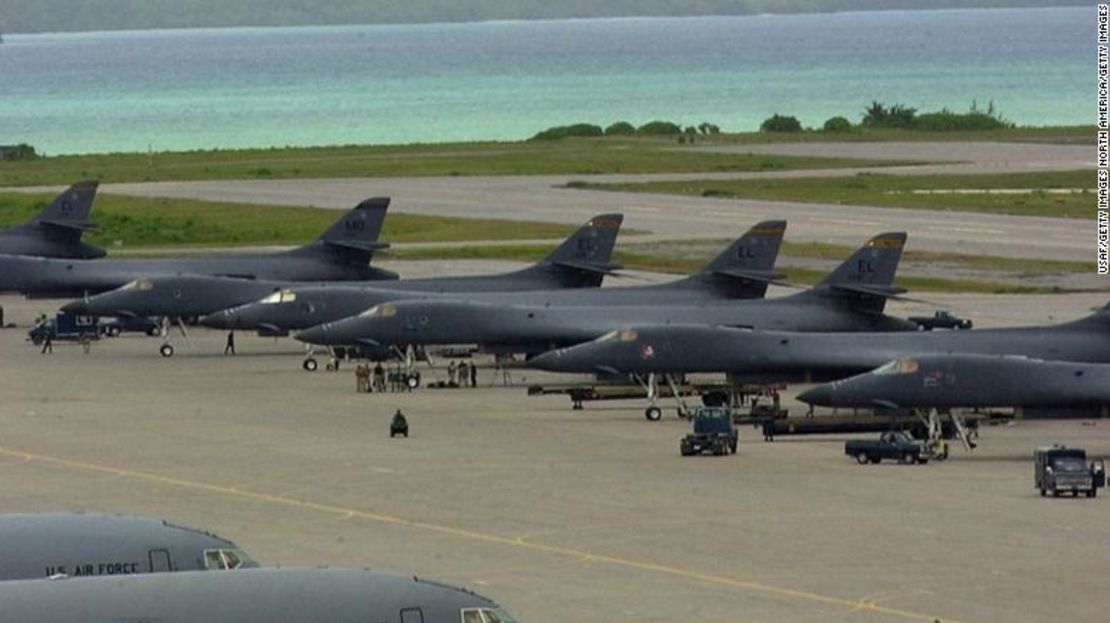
pixel 903 191
pixel 141 222
pixel 579 156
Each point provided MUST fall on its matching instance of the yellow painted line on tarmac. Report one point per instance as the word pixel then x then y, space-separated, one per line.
pixel 866 603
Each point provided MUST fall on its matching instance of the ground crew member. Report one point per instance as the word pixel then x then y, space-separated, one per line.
pixel 86 343
pixel 473 374
pixel 452 379
pixel 379 377
pixel 230 348
pixel 399 425
pixel 362 379
pixel 464 374
pixel 48 342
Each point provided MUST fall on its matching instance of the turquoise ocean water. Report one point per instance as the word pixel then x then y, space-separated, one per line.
pixel 259 87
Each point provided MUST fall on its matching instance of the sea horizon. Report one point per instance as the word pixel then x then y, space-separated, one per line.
pixel 504 80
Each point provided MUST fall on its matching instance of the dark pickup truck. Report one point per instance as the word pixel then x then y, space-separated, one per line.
pixel 940 320
pixel 897 445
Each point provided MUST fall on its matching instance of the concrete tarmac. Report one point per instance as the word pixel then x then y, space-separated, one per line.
pixel 563 516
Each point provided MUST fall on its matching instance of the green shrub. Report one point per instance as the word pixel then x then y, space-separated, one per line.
pixel 708 128
pixel 620 128
pixel 973 119
pixel 878 115
pixel 837 124
pixel 563 131
pixel 659 128
pixel 780 123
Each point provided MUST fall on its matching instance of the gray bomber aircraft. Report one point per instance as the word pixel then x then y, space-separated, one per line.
pixel 41 545
pixel 341 253
pixel 779 356
pixel 963 380
pixel 851 298
pixel 56 230
pixel 249 596
pixel 743 270
pixel 581 261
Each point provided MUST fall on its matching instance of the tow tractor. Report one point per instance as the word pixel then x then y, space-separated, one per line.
pixel 714 432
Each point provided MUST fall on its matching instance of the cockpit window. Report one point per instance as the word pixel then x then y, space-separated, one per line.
pixel 385 310
pixel 486 615
pixel 226 559
pixel 138 284
pixel 624 335
pixel 281 296
pixel 898 366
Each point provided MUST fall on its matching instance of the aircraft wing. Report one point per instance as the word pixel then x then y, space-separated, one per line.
pixel 765 276
pixel 61 224
pixel 358 245
pixel 875 290
pixel 589 267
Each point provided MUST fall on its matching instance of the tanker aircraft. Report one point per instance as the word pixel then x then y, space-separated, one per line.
pixel 42 545
pixel 289 595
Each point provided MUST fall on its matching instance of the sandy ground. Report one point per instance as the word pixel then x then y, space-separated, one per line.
pixel 563 516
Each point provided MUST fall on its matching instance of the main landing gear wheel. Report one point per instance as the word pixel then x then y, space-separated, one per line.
pixel 413 381
pixel 653 414
pixel 310 365
pixel 166 350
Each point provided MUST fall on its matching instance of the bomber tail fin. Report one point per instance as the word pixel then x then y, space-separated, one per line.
pixel 585 257
pixel 868 275
pixel 70 210
pixel 65 219
pixel 746 267
pixel 355 236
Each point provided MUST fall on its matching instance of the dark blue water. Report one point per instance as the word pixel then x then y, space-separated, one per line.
pixel 247 87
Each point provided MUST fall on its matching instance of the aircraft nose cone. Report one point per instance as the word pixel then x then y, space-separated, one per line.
pixel 821 396
pixel 554 361
pixel 218 320
pixel 78 307
pixel 314 335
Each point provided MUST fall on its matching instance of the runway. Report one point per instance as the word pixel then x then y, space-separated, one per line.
pixel 545 198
